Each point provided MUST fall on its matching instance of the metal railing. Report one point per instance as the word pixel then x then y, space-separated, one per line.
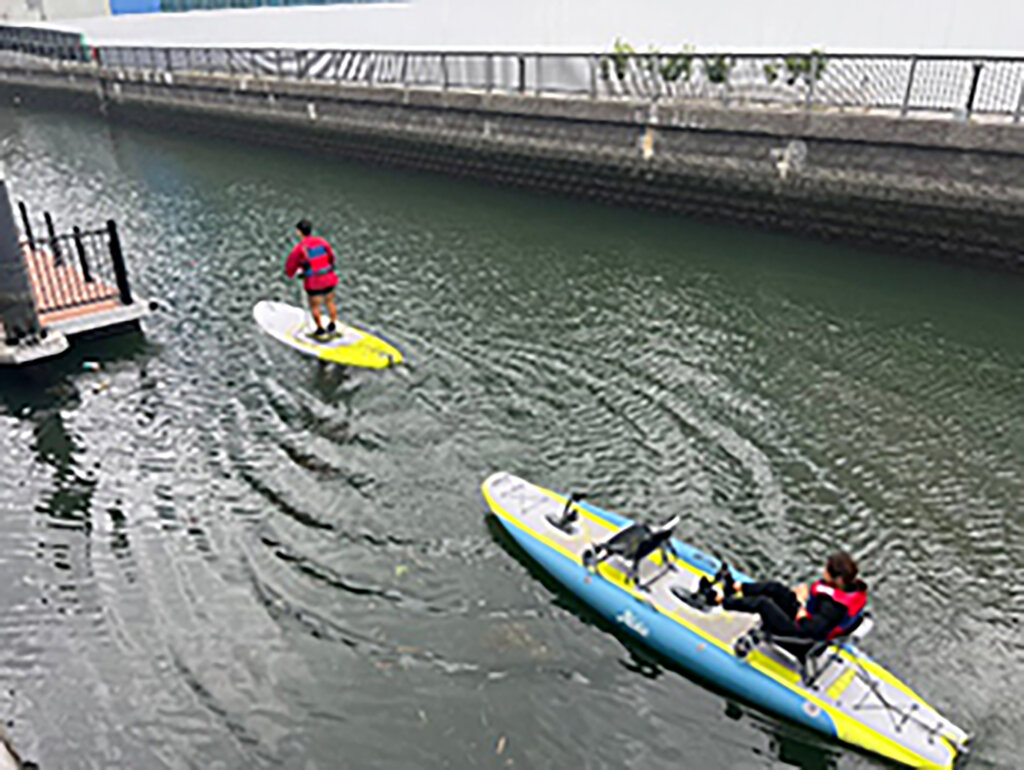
pixel 74 269
pixel 901 84
pixel 957 86
pixel 52 44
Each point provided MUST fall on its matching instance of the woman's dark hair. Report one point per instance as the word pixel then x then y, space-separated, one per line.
pixel 841 565
pixel 305 227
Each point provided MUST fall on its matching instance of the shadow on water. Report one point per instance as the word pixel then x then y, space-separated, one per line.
pixel 42 395
pixel 49 383
pixel 331 382
pixel 791 744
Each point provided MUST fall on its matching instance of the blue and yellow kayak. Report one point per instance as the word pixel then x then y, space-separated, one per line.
pixel 851 698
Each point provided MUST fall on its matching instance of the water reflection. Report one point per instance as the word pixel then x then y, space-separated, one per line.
pixel 46 396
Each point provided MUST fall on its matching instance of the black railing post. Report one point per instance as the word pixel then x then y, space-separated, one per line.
pixel 813 84
pixel 27 224
pixel 54 243
pixel 117 258
pixel 522 74
pixel 80 248
pixel 905 108
pixel 974 87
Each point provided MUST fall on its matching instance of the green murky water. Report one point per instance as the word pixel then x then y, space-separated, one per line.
pixel 217 554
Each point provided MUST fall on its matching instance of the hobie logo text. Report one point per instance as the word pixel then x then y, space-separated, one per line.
pixel 632 622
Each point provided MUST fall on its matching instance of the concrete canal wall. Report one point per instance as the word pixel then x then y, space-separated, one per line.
pixel 932 186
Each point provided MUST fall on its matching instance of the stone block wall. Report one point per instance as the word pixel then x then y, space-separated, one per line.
pixel 929 186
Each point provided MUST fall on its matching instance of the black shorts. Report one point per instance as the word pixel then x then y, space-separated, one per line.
pixel 320 292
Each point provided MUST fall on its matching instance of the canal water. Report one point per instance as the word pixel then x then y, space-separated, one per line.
pixel 219 554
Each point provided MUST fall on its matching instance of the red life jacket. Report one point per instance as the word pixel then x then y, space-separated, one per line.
pixel 853 602
pixel 316 268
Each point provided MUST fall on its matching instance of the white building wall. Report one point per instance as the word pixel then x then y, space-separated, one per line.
pixel 43 10
pixel 890 25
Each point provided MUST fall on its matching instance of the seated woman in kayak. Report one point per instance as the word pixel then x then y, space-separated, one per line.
pixel 824 610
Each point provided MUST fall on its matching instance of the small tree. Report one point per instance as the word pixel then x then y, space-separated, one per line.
pixel 671 67
pixel 717 68
pixel 807 67
pixel 618 61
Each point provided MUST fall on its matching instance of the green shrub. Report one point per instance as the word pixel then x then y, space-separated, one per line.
pixel 802 67
pixel 673 66
pixel 618 61
pixel 717 68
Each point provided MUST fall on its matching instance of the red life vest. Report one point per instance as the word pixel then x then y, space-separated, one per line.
pixel 853 602
pixel 316 267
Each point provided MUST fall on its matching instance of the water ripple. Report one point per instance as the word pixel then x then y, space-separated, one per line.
pixel 217 552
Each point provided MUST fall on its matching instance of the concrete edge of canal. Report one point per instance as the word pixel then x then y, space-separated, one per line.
pixel 932 187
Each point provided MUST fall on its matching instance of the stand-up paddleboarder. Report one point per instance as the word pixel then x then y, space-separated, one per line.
pixel 314 258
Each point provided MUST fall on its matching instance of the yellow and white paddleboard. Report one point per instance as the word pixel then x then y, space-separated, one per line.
pixel 349 345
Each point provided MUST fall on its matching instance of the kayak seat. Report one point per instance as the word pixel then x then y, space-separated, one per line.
pixel 811 657
pixel 634 544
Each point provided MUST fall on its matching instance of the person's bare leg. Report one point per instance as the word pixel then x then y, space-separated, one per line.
pixel 314 308
pixel 332 309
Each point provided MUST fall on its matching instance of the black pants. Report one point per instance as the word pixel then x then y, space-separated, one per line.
pixel 774 602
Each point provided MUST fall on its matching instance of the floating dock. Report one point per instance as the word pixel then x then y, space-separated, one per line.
pixel 59 286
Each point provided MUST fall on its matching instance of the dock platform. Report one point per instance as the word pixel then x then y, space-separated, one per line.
pixel 78 284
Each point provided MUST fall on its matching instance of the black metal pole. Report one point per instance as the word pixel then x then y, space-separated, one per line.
pixel 54 243
pixel 117 257
pixel 80 248
pixel 27 224
pixel 974 87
